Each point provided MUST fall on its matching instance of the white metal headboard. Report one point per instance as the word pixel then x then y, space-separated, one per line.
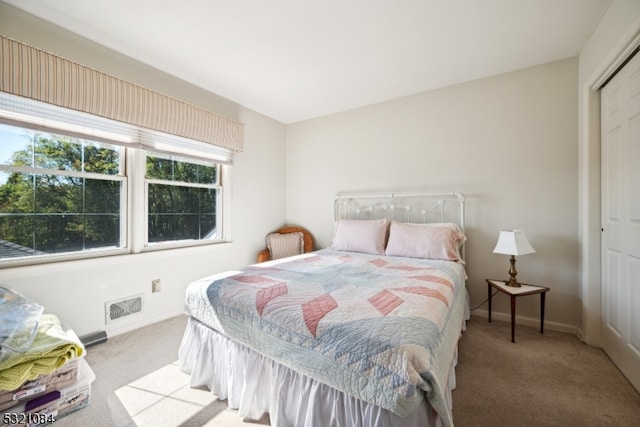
pixel 405 207
pixel 414 207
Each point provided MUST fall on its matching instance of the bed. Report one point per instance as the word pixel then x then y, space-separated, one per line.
pixel 361 333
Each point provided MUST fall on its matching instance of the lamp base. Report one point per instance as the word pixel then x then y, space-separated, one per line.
pixel 512 273
pixel 513 283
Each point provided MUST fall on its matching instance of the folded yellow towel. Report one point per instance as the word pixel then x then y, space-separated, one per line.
pixel 51 349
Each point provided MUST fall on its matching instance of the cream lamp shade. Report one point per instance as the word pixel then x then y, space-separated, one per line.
pixel 513 242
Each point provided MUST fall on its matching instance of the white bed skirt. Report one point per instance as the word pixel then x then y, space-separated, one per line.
pixel 254 385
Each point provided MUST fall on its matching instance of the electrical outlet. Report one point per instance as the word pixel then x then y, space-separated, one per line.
pixel 155 285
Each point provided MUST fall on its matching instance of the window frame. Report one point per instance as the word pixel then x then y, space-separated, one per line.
pixel 133 205
pixel 124 205
pixel 220 204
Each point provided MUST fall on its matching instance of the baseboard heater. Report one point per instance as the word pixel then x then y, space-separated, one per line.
pixel 93 338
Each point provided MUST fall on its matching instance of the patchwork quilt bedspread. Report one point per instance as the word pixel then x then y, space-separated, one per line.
pixel 382 329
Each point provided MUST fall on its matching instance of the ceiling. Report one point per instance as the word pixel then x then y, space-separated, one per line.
pixel 293 60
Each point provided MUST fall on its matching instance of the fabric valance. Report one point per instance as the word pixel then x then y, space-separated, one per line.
pixel 33 73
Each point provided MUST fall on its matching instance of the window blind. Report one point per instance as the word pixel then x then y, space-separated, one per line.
pixel 89 99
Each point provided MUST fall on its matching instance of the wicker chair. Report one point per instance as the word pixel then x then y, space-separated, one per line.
pixel 265 254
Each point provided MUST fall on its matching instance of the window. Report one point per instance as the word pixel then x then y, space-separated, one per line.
pixel 59 194
pixel 182 199
pixel 65 197
pixel 78 185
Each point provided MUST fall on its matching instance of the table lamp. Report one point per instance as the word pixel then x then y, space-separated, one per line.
pixel 513 242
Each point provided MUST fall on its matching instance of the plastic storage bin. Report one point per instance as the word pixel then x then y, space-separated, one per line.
pixel 61 378
pixel 49 407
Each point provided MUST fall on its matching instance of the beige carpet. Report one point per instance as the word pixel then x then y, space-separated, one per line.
pixel 541 380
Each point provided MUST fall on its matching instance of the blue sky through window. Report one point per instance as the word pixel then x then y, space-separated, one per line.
pixel 12 139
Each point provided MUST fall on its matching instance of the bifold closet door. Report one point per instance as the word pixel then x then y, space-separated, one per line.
pixel 620 145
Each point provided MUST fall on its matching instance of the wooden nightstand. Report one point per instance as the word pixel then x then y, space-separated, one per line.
pixel 517 292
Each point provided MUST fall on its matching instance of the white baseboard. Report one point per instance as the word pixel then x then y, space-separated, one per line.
pixel 529 321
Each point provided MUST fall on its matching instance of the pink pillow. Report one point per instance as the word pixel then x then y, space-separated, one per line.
pixel 367 236
pixel 431 241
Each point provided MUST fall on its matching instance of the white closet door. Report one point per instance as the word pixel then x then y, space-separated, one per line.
pixel 620 116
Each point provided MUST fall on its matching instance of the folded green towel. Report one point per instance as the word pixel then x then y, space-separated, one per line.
pixel 51 349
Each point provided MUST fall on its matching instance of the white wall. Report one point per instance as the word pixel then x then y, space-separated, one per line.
pixel 617 28
pixel 77 291
pixel 509 142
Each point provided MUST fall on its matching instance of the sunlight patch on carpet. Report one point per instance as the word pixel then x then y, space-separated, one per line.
pixel 165 398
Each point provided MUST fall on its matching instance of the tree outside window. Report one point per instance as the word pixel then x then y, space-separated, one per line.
pixel 61 194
